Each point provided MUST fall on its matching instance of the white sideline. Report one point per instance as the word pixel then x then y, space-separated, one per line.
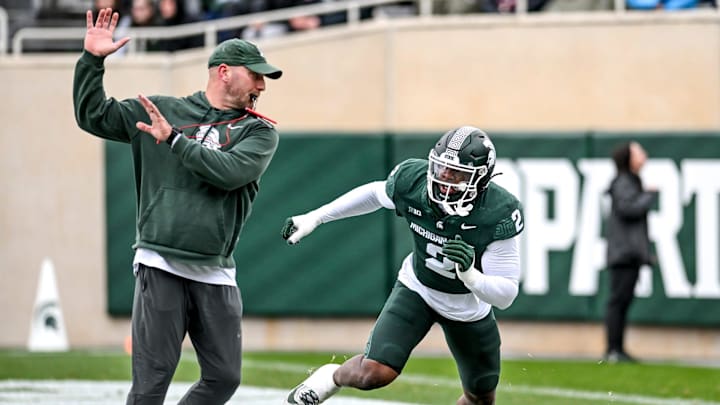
pixel 74 392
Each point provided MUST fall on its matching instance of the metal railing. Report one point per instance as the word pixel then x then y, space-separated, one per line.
pixel 211 28
pixel 4 24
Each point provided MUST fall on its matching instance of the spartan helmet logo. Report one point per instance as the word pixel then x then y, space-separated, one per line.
pixel 491 152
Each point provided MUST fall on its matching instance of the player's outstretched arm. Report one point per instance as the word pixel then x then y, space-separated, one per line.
pixel 359 201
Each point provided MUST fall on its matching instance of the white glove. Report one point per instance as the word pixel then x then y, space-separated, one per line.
pixel 299 226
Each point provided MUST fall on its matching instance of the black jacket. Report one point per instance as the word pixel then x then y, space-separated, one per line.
pixel 628 243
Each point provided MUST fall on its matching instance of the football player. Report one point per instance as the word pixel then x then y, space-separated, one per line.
pixel 465 260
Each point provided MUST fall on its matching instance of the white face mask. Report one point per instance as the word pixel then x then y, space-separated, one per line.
pixel 453 185
pixel 459 210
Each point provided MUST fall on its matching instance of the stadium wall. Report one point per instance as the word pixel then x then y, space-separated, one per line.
pixel 548 74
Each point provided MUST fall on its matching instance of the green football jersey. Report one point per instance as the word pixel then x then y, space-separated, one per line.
pixel 496 215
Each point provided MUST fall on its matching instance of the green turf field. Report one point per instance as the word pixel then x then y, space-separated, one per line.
pixel 426 380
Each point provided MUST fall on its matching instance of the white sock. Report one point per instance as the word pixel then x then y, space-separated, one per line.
pixel 321 381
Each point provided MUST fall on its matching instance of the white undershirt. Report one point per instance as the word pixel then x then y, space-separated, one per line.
pixel 497 285
pixel 204 274
pixel 500 284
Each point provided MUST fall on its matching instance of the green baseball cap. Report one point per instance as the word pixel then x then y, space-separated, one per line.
pixel 238 52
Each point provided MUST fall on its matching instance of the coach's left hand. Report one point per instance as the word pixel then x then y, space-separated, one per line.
pixel 159 128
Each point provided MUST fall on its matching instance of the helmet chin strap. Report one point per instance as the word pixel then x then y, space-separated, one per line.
pixel 461 210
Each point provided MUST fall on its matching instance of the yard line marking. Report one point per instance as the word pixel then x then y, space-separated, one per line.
pixel 419 379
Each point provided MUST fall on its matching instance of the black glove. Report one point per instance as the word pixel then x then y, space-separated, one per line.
pixel 299 226
pixel 288 229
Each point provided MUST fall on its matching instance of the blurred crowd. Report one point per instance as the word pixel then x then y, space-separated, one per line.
pixel 154 13
pixel 143 13
pixel 163 13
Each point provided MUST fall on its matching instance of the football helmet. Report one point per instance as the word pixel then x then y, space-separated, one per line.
pixel 460 167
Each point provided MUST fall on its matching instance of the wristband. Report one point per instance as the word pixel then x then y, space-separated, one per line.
pixel 174 133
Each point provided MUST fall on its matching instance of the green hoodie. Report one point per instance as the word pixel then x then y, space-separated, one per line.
pixel 194 198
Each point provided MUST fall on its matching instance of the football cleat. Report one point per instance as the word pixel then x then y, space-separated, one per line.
pixel 303 395
pixel 316 388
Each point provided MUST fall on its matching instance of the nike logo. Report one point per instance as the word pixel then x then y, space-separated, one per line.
pixel 465 227
pixel 230 126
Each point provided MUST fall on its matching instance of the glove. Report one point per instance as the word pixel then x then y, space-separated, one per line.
pixel 463 254
pixel 298 227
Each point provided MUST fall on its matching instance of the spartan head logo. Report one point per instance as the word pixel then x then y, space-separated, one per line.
pixel 208 136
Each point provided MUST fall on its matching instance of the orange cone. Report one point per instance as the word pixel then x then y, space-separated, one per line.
pixel 127 345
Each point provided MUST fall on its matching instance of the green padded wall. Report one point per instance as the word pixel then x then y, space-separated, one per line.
pixel 347 268
pixel 340 270
pixel 120 233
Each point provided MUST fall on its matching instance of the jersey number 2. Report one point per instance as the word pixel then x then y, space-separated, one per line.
pixel 517 219
pixel 445 268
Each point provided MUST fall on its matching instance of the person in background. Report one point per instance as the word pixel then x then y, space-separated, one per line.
pixel 198 162
pixel 279 28
pixel 118 5
pixel 465 260
pixel 172 12
pixel 628 243
pixel 144 13
pixel 304 22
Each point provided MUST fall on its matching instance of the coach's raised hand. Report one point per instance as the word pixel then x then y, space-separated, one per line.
pixel 99 35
